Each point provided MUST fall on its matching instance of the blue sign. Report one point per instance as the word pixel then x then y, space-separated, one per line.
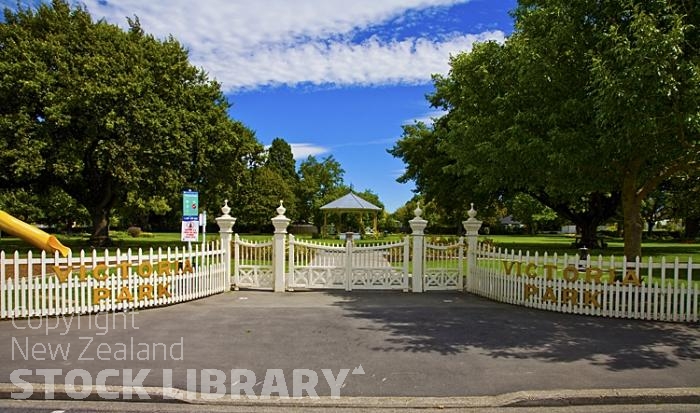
pixel 190 205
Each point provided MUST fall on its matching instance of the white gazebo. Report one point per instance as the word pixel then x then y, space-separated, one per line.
pixel 350 203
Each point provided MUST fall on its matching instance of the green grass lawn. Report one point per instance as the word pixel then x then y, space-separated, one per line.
pixel 120 239
pixel 555 243
pixel 561 244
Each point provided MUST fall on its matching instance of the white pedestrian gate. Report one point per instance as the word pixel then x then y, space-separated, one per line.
pixel 444 266
pixel 252 264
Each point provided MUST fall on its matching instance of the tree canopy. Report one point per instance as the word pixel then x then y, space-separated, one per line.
pixel 588 105
pixel 320 182
pixel 111 117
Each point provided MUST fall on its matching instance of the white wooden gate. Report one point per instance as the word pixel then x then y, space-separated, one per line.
pixel 443 266
pixel 349 267
pixel 252 264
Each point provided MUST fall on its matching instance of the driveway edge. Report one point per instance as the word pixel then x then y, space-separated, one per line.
pixel 564 397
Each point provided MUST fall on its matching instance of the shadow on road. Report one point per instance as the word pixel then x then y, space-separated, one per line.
pixel 452 323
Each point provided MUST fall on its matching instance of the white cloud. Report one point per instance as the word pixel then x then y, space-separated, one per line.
pixel 381 141
pixel 372 62
pixel 247 44
pixel 427 118
pixel 304 150
pixel 397 173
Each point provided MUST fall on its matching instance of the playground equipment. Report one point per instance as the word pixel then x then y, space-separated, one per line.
pixel 31 234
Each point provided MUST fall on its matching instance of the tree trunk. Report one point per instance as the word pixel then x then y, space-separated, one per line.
pixel 532 228
pixel 632 212
pixel 692 227
pixel 100 227
pixel 650 227
pixel 601 207
pixel 100 216
pixel 589 234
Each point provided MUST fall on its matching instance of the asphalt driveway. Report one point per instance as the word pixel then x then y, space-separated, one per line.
pixel 432 344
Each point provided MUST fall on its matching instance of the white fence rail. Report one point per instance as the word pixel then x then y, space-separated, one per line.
pixel 45 285
pixel 606 287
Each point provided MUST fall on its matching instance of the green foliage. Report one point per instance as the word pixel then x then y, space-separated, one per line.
pixel 260 196
pixel 532 213
pixel 50 207
pixel 281 160
pixel 112 117
pixel 431 212
pixel 22 204
pixel 588 105
pixel 134 232
pixel 319 183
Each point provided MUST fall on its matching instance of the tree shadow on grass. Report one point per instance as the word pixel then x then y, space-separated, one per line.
pixel 458 323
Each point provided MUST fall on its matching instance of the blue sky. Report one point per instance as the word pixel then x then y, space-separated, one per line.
pixel 331 77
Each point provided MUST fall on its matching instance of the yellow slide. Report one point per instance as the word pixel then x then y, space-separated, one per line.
pixel 31 234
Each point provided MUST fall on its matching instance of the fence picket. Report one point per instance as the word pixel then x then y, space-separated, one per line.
pixel 4 297
pixel 689 290
pixel 676 277
pixel 16 280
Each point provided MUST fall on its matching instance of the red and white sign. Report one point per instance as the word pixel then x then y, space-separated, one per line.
pixel 190 231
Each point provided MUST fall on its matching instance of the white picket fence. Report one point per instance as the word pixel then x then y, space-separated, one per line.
pixel 608 287
pixel 46 285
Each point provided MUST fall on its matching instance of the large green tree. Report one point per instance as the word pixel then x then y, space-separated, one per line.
pixel 320 182
pixel 645 85
pixel 588 105
pixel 110 116
pixel 281 159
pixel 260 196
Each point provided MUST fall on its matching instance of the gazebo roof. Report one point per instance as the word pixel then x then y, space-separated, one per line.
pixel 350 202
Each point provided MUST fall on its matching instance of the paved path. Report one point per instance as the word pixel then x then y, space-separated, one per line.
pixel 434 344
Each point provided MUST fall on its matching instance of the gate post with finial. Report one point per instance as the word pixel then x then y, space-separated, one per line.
pixel 280 223
pixel 472 226
pixel 226 223
pixel 418 225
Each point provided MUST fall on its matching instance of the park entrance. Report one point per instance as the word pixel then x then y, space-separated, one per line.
pixel 46 285
pixel 350 266
pixel 285 263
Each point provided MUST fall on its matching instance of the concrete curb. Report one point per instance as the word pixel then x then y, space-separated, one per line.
pixel 549 398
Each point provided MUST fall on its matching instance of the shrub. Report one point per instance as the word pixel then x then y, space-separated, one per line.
pixel 134 231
